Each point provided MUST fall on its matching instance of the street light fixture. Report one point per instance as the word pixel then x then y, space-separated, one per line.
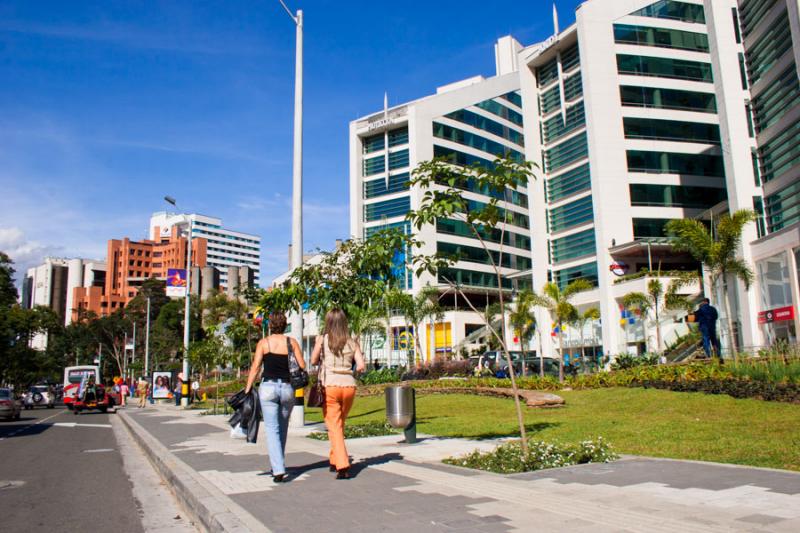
pixel 187 312
pixel 297 167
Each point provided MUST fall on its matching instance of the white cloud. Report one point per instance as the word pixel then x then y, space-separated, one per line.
pixel 25 253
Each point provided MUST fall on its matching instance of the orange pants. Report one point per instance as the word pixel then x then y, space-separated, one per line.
pixel 338 401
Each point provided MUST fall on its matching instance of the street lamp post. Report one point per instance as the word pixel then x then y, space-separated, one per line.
pixel 297 167
pixel 187 310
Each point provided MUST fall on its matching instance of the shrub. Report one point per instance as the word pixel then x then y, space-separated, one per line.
pixel 382 375
pixel 626 360
pixel 440 368
pixel 356 431
pixel 509 458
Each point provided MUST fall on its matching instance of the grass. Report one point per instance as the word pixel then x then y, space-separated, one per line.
pixel 635 421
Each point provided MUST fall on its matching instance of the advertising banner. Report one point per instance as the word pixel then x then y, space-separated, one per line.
pixel 176 283
pixel 780 314
pixel 162 385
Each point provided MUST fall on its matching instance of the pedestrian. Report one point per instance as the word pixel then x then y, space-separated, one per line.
pixel 196 389
pixel 123 392
pixel 706 317
pixel 141 390
pixel 275 392
pixel 178 389
pixel 336 351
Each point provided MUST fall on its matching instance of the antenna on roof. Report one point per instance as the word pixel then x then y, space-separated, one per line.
pixel 555 19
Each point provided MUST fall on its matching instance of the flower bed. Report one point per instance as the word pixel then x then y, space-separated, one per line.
pixel 510 459
pixel 357 431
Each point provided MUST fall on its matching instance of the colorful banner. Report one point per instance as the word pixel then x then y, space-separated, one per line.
pixel 176 283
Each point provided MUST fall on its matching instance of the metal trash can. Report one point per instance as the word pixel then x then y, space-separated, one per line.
pixel 401 410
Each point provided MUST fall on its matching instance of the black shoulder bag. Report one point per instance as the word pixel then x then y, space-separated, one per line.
pixel 298 377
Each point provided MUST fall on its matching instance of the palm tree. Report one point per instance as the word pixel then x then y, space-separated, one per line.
pixel 417 309
pixel 522 322
pixel 590 315
pixel 657 300
pixel 717 249
pixel 365 323
pixel 557 303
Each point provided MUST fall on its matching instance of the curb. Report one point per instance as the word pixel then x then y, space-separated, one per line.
pixel 209 508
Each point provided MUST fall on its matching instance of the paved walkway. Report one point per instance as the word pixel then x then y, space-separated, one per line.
pixel 399 487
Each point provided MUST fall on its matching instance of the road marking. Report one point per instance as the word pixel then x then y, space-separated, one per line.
pixel 17 432
pixel 99 450
pixel 8 484
pixel 75 424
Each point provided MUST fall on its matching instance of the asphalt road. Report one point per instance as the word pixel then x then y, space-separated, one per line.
pixel 69 477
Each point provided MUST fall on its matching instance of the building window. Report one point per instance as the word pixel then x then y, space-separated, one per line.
pixel 387 209
pixel 398 137
pixel 472 254
pixel 649 228
pixel 378 187
pixel 671 130
pixel 462 229
pixel 570 58
pixel 550 100
pixel 770 47
pixel 781 153
pixel 398 159
pixel 564 277
pixel 568 183
pixel 501 111
pixel 565 153
pixel 547 73
pixel 374 165
pixel 513 97
pixel 482 123
pixel 660 37
pixel 675 196
pixel 572 246
pixel 675 163
pixel 777 99
pixel 373 143
pixel 664 67
pixel 659 98
pixel 460 158
pixel 571 214
pixel 783 208
pixel 673 10
pixel 466 138
pixel 556 127
pixel 470 278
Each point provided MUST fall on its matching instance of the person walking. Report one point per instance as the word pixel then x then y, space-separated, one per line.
pixel 275 393
pixel 178 389
pixel 706 317
pixel 123 392
pixel 141 390
pixel 336 351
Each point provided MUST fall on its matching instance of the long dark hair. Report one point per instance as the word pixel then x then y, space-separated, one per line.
pixel 337 330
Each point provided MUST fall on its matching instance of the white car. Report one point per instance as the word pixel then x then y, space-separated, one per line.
pixel 38 396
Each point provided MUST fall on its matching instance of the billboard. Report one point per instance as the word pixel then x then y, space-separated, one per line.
pixel 162 385
pixel 176 283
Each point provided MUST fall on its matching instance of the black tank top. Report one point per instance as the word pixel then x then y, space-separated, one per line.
pixel 276 366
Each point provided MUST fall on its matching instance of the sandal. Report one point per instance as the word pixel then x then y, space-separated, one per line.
pixel 344 473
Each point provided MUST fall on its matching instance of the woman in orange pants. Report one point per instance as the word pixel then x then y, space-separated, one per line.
pixel 336 351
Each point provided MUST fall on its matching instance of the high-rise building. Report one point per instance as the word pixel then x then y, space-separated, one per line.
pixel 475 120
pixel 770 32
pixel 226 248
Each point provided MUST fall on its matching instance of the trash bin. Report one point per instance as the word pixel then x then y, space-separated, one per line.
pixel 401 410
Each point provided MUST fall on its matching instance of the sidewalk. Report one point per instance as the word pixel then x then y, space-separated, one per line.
pixel 399 487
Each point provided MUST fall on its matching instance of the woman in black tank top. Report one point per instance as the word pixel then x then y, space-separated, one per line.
pixel 275 393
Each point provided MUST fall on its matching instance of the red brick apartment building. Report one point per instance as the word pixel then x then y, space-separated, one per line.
pixel 129 263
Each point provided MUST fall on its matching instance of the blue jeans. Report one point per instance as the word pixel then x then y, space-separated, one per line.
pixel 710 340
pixel 277 401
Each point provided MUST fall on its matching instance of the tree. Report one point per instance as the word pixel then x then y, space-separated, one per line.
pixel 8 292
pixel 718 250
pixel 581 319
pixel 657 301
pixel 557 303
pixel 416 309
pixel 444 184
pixel 523 323
pixel 110 332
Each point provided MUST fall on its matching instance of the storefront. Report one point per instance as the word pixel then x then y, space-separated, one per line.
pixel 777 262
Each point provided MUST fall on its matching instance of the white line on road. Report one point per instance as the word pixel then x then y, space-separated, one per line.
pixel 31 425
pixel 75 424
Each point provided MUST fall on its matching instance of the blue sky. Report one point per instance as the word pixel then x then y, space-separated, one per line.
pixel 106 106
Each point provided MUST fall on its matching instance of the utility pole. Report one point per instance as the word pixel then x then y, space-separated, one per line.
pixel 147 341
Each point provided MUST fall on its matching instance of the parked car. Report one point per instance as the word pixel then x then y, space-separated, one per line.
pixel 9 406
pixel 39 396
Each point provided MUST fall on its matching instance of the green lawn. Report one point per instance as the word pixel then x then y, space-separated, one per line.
pixel 636 421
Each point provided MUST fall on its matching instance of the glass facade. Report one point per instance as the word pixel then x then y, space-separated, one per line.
pixel 387 209
pixel 670 130
pixel 573 87
pixel 753 12
pixel 568 183
pixel 513 97
pixel 777 99
pixel 573 246
pixel 470 278
pixel 564 277
pixel 555 127
pixel 781 153
pixel 374 165
pixel 509 195
pixel 550 100
pixel 660 37
pixel 649 228
pixel 462 229
pixel 547 73
pixel 373 143
pixel 571 214
pixel 667 99
pixel 501 111
pixel 565 153
pixel 570 58
pixel 770 47
pixel 472 140
pixel 460 158
pixel 675 163
pixel 398 137
pixel 782 209
pixel 673 10
pixel 482 123
pixel 675 196
pixel 397 183
pixel 664 67
pixel 398 159
pixel 472 254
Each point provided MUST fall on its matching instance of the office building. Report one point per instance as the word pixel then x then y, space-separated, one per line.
pixel 226 248
pixel 474 120
pixel 770 32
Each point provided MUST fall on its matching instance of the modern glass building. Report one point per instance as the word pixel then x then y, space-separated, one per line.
pixel 472 121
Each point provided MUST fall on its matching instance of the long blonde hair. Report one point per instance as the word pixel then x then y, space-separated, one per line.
pixel 337 330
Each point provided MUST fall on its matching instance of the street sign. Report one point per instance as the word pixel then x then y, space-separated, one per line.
pixel 781 314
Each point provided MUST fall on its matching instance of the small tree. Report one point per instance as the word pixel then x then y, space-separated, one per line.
pixel 523 323
pixel 658 301
pixel 581 319
pixel 557 303
pixel 444 184
pixel 717 249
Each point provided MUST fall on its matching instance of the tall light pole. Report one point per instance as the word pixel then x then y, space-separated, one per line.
pixel 187 311
pixel 147 341
pixel 297 167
